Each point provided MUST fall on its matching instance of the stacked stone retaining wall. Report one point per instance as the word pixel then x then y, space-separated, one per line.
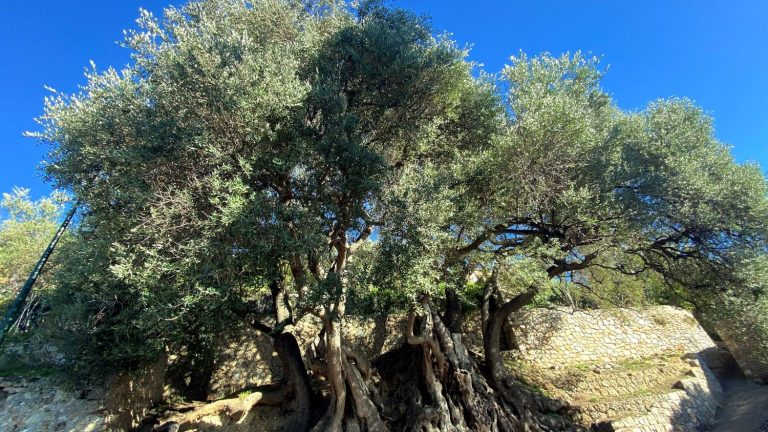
pixel 557 337
pixel 746 348
pixel 625 369
pixel 690 406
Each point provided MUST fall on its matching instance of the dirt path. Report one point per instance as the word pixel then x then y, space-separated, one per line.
pixel 745 407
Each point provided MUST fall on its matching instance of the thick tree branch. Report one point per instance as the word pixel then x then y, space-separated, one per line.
pixel 563 266
pixel 427 342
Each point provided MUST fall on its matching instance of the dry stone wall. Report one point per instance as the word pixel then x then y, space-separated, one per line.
pixel 691 404
pixel 561 337
pixel 609 381
pixel 625 369
pixel 665 392
pixel 747 348
pixel 128 397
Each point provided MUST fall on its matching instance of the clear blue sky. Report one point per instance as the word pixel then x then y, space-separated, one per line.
pixel 715 52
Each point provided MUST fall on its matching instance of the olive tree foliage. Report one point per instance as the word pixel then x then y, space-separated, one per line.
pixel 739 313
pixel 160 154
pixel 627 190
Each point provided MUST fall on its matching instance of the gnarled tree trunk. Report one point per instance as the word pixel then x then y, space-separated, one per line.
pixel 354 402
pixel 433 383
pixel 296 386
pixel 492 329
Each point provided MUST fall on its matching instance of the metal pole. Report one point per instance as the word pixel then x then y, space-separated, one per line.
pixel 10 314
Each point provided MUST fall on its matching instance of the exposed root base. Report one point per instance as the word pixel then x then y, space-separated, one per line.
pixel 232 410
pixel 431 383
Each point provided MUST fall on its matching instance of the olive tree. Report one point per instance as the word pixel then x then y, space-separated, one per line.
pixel 313 150
pixel 575 183
pixel 251 147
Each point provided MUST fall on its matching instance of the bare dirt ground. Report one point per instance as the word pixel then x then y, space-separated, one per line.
pixel 745 407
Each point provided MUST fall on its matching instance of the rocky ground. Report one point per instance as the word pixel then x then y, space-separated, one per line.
pixel 41 406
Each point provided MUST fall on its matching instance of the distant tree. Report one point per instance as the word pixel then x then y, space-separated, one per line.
pixel 342 158
pixel 25 232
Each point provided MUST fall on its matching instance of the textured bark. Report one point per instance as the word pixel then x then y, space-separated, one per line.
pixel 429 344
pixel 295 381
pixel 430 383
pixel 418 398
pixel 492 333
pixel 362 405
pixel 366 412
pixel 283 315
pixel 507 339
pixel 433 384
pixel 334 360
